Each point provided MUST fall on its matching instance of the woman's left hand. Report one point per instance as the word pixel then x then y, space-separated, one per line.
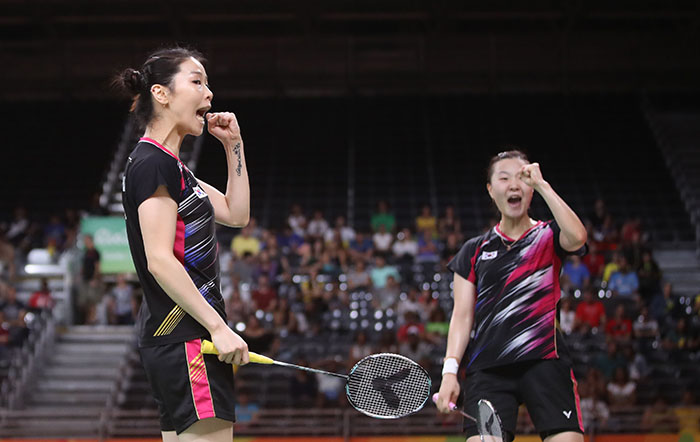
pixel 224 126
pixel 531 175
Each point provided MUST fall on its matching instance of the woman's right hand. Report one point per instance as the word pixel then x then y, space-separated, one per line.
pixel 449 392
pixel 231 347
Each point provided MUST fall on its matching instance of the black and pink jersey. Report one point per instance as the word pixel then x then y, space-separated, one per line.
pixel 161 320
pixel 517 291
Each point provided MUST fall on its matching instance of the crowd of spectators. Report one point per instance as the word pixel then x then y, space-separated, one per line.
pixel 287 282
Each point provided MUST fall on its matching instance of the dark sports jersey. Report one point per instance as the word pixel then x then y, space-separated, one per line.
pixel 517 291
pixel 161 320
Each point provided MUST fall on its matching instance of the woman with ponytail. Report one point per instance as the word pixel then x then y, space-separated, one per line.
pixel 170 220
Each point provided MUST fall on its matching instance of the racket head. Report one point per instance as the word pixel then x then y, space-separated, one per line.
pixel 489 423
pixel 387 386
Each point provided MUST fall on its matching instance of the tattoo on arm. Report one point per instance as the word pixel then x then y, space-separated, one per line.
pixel 237 152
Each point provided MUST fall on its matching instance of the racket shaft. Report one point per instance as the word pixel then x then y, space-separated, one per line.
pixel 209 348
pixel 454 407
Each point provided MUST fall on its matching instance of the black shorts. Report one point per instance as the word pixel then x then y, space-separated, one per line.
pixel 546 387
pixel 188 386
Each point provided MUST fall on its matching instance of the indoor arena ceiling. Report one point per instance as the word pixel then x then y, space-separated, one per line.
pixel 68 49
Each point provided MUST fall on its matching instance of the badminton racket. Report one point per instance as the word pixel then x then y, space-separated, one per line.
pixel 384 385
pixel 487 421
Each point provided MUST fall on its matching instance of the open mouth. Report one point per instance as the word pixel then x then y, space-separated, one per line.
pixel 514 200
pixel 201 112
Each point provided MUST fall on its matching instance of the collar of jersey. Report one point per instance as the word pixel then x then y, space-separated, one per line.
pixel 163 148
pixel 507 238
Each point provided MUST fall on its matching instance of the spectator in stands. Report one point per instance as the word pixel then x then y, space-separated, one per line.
pixel 90 290
pixel 449 224
pixel 437 326
pixel 415 347
pixel 452 246
pixel 649 275
pixel 426 222
pixel 619 327
pixel 358 277
pixel 297 221
pixel 624 282
pixel 359 348
pixel 622 392
pixel 410 304
pixel 246 410
pixel 567 316
pixel 645 327
pixel 264 295
pixel 381 271
pixel 595 262
pixel 237 310
pixel 387 296
pixel 590 313
pixel 41 299
pixel 121 306
pixel 387 343
pixel 329 387
pixel 428 248
pixel 600 212
pixel 7 258
pixel 637 366
pixel 55 231
pixel 340 231
pixel 289 241
pixel 405 248
pixel 608 361
pixel 18 227
pixel 596 382
pixel 680 340
pixel 361 248
pixel 382 241
pixel 303 386
pixel 575 275
pixel 243 269
pixel 283 319
pixel 594 411
pixel 244 243
pixel 14 312
pixel 665 306
pixel 631 231
pixel 383 217
pixel 318 226
pixel 612 267
pixel 659 417
pixel 258 338
pixel 267 266
pixel 412 322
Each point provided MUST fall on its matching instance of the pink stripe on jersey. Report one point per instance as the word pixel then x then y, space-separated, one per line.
pixel 199 381
pixel 179 244
pixel 578 401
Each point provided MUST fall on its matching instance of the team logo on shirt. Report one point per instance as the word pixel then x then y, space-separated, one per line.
pixel 200 193
pixel 489 255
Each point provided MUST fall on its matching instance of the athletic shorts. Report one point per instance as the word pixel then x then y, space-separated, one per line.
pixel 187 385
pixel 546 387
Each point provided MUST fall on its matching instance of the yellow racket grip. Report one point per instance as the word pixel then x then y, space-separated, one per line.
pixel 208 348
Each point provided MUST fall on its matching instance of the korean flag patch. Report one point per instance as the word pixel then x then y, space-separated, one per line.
pixel 489 255
pixel 200 193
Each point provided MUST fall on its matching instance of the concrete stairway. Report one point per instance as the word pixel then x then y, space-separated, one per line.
pixel 680 266
pixel 72 387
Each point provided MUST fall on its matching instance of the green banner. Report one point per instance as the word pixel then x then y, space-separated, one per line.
pixel 109 234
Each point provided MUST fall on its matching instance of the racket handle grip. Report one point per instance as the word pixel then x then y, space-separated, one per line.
pixel 452 404
pixel 209 349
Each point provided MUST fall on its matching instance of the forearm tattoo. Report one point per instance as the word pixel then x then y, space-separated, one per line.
pixel 237 152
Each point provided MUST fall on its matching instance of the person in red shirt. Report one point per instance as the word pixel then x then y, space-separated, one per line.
pixel 265 296
pixel 594 261
pixel 619 327
pixel 41 299
pixel 590 313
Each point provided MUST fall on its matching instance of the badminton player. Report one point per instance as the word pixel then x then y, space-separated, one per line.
pixel 506 289
pixel 170 220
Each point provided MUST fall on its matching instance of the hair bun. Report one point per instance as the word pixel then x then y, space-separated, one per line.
pixel 133 81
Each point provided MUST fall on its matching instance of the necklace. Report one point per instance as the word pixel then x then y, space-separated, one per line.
pixel 508 246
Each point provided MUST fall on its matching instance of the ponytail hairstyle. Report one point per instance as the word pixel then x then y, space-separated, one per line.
pixel 159 68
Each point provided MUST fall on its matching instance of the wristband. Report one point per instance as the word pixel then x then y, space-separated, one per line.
pixel 450 366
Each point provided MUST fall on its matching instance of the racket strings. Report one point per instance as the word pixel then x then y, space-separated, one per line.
pixel 388 386
pixel 489 424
